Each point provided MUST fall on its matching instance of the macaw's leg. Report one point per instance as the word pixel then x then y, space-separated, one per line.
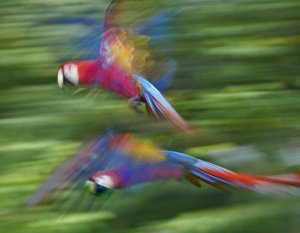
pixel 135 103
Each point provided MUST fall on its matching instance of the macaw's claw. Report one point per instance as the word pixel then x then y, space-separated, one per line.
pixel 135 103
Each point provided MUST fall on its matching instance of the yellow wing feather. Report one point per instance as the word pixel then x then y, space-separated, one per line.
pixel 123 47
pixel 141 150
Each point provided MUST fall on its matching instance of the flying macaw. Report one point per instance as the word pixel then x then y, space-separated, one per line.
pixel 121 160
pixel 117 69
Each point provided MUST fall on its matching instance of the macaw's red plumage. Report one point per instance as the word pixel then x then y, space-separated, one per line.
pixel 92 73
pixel 118 68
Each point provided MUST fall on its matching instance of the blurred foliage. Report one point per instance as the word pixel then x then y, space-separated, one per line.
pixel 238 79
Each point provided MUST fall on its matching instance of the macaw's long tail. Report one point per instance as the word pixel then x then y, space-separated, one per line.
pixel 158 106
pixel 199 170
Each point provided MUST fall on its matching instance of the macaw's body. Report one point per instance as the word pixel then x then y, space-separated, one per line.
pixel 118 67
pixel 118 161
pixel 126 176
pixel 111 77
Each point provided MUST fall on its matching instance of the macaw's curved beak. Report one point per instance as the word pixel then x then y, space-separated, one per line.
pixel 60 78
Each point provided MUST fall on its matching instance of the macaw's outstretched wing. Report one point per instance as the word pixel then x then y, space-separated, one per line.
pixel 128 46
pixel 82 46
pixel 200 170
pixel 94 156
pixel 119 45
pixel 139 150
pixel 106 152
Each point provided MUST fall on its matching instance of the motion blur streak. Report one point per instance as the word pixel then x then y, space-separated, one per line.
pixel 237 78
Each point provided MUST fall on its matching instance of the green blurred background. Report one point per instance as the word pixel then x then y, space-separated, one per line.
pixel 238 79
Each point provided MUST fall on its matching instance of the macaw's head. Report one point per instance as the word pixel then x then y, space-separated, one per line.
pixel 68 73
pixel 78 72
pixel 100 184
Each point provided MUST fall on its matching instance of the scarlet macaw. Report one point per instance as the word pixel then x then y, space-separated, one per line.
pixel 118 161
pixel 116 68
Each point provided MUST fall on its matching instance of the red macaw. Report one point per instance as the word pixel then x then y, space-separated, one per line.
pixel 118 161
pixel 116 69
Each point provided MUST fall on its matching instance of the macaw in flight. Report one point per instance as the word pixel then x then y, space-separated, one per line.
pixel 121 160
pixel 116 69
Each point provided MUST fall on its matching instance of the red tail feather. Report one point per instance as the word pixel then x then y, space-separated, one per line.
pixel 253 180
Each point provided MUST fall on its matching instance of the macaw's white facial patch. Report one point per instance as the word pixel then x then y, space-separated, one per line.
pixel 60 78
pixel 105 181
pixel 71 73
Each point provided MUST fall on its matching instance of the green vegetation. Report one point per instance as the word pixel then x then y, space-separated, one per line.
pixel 238 79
